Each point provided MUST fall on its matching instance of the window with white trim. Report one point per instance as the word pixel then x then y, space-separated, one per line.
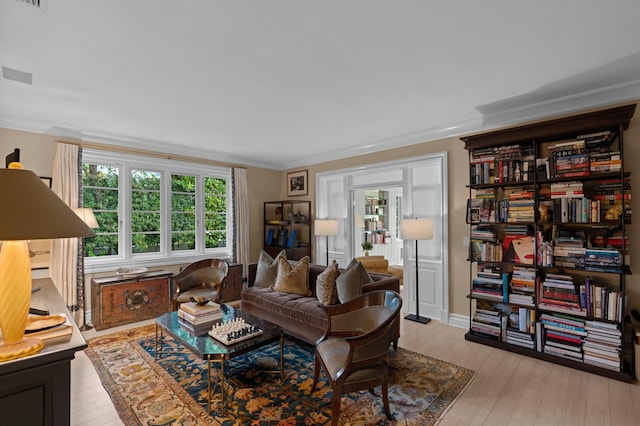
pixel 149 209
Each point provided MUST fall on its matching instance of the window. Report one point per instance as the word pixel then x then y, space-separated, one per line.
pixel 150 209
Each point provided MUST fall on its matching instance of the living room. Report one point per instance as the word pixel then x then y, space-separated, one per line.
pixel 267 178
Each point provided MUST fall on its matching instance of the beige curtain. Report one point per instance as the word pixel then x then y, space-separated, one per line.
pixel 241 217
pixel 64 251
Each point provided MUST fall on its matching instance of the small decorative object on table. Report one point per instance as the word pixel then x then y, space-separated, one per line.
pixel 234 331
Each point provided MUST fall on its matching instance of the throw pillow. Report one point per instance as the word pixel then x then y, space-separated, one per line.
pixel 349 283
pixel 293 278
pixel 267 269
pixel 326 285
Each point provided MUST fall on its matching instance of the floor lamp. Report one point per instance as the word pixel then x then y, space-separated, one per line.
pixel 417 229
pixel 326 227
pixel 87 216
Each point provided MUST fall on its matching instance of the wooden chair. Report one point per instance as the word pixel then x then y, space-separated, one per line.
pixel 200 279
pixel 354 351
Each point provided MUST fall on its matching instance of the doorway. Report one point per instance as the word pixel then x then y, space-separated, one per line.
pixel 421 185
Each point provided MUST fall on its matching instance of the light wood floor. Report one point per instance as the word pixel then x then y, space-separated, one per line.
pixel 508 389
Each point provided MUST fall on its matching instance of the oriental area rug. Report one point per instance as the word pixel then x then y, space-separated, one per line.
pixel 173 390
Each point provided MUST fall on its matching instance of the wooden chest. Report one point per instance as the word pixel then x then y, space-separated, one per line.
pixel 117 300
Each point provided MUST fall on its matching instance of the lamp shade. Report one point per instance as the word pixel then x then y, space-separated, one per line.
pixel 87 216
pixel 32 211
pixel 416 229
pixel 326 227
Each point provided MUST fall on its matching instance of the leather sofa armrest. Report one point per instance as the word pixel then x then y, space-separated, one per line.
pixel 387 283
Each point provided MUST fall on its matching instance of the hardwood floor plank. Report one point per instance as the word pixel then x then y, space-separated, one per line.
pixel 509 389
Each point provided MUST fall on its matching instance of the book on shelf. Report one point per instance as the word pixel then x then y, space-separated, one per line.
pixel 269 240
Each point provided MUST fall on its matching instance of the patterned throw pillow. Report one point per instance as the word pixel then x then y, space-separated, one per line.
pixel 349 283
pixel 267 269
pixel 293 278
pixel 326 285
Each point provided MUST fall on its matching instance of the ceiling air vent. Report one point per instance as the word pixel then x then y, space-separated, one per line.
pixel 17 75
pixel 38 4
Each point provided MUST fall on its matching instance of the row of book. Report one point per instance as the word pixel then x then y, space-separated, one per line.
pixel 512 163
pixel 282 238
pixel 587 341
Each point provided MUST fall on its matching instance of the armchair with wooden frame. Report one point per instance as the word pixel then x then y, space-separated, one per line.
pixel 354 351
pixel 201 279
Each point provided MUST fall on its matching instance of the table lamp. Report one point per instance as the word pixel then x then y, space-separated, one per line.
pixel 326 227
pixel 417 229
pixel 29 211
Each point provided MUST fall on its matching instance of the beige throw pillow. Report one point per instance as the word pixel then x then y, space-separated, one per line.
pixel 267 269
pixel 349 283
pixel 326 285
pixel 293 278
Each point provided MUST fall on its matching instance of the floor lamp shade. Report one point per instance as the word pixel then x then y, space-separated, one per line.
pixel 326 227
pixel 417 229
pixel 29 211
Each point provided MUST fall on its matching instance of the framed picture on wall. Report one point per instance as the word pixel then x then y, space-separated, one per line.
pixel 297 183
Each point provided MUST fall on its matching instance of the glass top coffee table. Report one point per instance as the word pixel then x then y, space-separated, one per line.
pixel 214 352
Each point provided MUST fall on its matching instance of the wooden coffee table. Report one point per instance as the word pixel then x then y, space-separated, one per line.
pixel 215 352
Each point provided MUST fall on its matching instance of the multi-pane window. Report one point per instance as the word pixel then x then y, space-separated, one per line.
pixel 100 193
pixel 145 211
pixel 149 207
pixel 183 212
pixel 215 200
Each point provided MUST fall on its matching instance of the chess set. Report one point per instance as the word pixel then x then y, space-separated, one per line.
pixel 234 331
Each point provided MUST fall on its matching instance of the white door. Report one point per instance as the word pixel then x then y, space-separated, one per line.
pixel 424 198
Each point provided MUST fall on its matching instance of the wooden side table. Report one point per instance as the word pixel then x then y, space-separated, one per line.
pixel 118 300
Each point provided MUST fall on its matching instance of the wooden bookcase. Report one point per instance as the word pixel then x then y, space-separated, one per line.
pixel 287 227
pixel 548 241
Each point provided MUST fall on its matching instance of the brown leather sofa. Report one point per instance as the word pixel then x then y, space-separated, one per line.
pixel 301 316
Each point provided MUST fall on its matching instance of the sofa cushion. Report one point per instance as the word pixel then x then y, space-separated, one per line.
pixel 303 309
pixel 293 278
pixel 349 283
pixel 267 269
pixel 326 285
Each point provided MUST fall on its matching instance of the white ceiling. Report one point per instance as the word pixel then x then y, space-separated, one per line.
pixel 283 84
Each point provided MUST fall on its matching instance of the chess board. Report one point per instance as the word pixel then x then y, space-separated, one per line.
pixel 234 331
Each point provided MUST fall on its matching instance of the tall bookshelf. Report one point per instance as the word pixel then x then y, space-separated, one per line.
pixel 548 209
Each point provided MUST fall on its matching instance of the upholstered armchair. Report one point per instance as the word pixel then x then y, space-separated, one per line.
pixel 201 279
pixel 354 351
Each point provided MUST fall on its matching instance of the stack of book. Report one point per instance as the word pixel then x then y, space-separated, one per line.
pixel 488 323
pixel 518 205
pixel 559 295
pixel 484 247
pixel 520 327
pixel 522 286
pixel 598 141
pixel 569 159
pixel 198 319
pixel 605 162
pixel 490 285
pixel 563 336
pixel 569 249
pixel 603 260
pixel 603 345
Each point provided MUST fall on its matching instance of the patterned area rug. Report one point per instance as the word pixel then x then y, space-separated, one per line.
pixel 173 390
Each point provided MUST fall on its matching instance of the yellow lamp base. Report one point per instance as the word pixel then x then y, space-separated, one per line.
pixel 25 347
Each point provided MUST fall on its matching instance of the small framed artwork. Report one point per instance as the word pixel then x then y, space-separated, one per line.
pixel 297 183
pixel 46 181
